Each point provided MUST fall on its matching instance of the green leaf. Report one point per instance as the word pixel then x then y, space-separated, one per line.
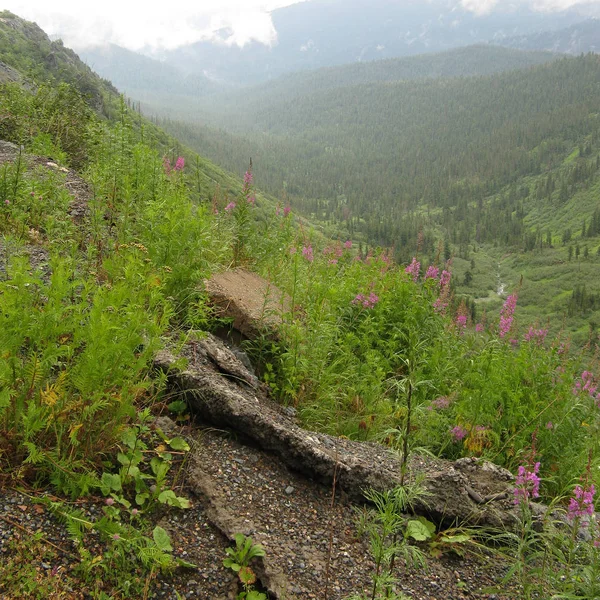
pixel 178 407
pixel 455 539
pixel 141 498
pixel 110 482
pixel 255 595
pixel 129 438
pixel 179 444
pixel 162 539
pixel 4 398
pixel 418 531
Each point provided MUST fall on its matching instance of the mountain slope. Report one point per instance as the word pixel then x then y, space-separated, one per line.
pixel 576 39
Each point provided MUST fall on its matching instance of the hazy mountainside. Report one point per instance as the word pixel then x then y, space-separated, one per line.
pixel 503 163
pixel 26 51
pixel 576 39
pixel 136 74
pixel 26 48
pixel 232 106
pixel 322 33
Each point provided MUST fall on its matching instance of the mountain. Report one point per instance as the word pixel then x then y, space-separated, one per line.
pixel 321 33
pixel 576 39
pixel 503 168
pixel 140 76
pixel 229 105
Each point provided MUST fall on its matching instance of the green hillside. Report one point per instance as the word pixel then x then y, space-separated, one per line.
pixel 500 165
pixel 107 235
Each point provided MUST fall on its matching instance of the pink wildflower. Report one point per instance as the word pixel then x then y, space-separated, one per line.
pixel 536 335
pixel 582 502
pixel 179 164
pixel 549 425
pixel 458 433
pixel 293 250
pixel 440 403
pixel 230 206
pixel 287 210
pixel 527 484
pixel 248 178
pixel 507 315
pixel 432 272
pixel 252 200
pixel 116 537
pixel 333 261
pixel 167 165
pixel 440 306
pixel 479 328
pixel 445 278
pixel 7 202
pixel 109 501
pixel 413 269
pixel 586 384
pixel 307 252
pixel 348 244
pixel 461 321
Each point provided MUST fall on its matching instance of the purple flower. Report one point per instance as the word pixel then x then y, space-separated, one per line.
pixel 458 433
pixel 230 206
pixel 479 328
pixel 413 269
pixel 432 272
pixel 287 210
pixel 506 315
pixel 307 252
pixel 445 278
pixel 440 403
pixel 536 335
pixel 358 299
pixel 179 164
pixel 348 245
pixel 461 321
pixel 582 502
pixel 586 384
pixel 527 484
pixel 248 178
pixel 549 425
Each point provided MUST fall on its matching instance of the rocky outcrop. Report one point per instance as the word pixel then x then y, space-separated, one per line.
pixel 255 305
pixel 221 391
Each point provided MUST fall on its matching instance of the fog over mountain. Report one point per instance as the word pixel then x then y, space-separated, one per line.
pixel 322 33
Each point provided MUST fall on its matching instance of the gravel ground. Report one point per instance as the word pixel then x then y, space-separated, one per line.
pixel 311 543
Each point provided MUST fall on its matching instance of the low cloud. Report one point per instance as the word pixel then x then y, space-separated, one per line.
pixel 149 26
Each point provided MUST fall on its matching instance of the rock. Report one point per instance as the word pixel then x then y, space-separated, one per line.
pixel 289 490
pixel 256 305
pixel 468 491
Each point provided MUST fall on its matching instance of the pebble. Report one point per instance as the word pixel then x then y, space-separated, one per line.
pixel 289 490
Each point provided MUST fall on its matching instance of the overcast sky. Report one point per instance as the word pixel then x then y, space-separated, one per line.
pixel 135 24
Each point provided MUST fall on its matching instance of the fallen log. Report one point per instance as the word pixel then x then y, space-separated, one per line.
pixel 221 391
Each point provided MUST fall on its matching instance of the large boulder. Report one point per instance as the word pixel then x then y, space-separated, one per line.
pixel 255 305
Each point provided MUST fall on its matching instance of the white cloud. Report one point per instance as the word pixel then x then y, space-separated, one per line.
pixel 136 24
pixel 479 7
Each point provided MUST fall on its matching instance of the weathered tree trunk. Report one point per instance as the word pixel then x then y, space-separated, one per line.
pixel 222 391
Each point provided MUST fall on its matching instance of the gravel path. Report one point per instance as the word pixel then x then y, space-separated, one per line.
pixel 312 548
